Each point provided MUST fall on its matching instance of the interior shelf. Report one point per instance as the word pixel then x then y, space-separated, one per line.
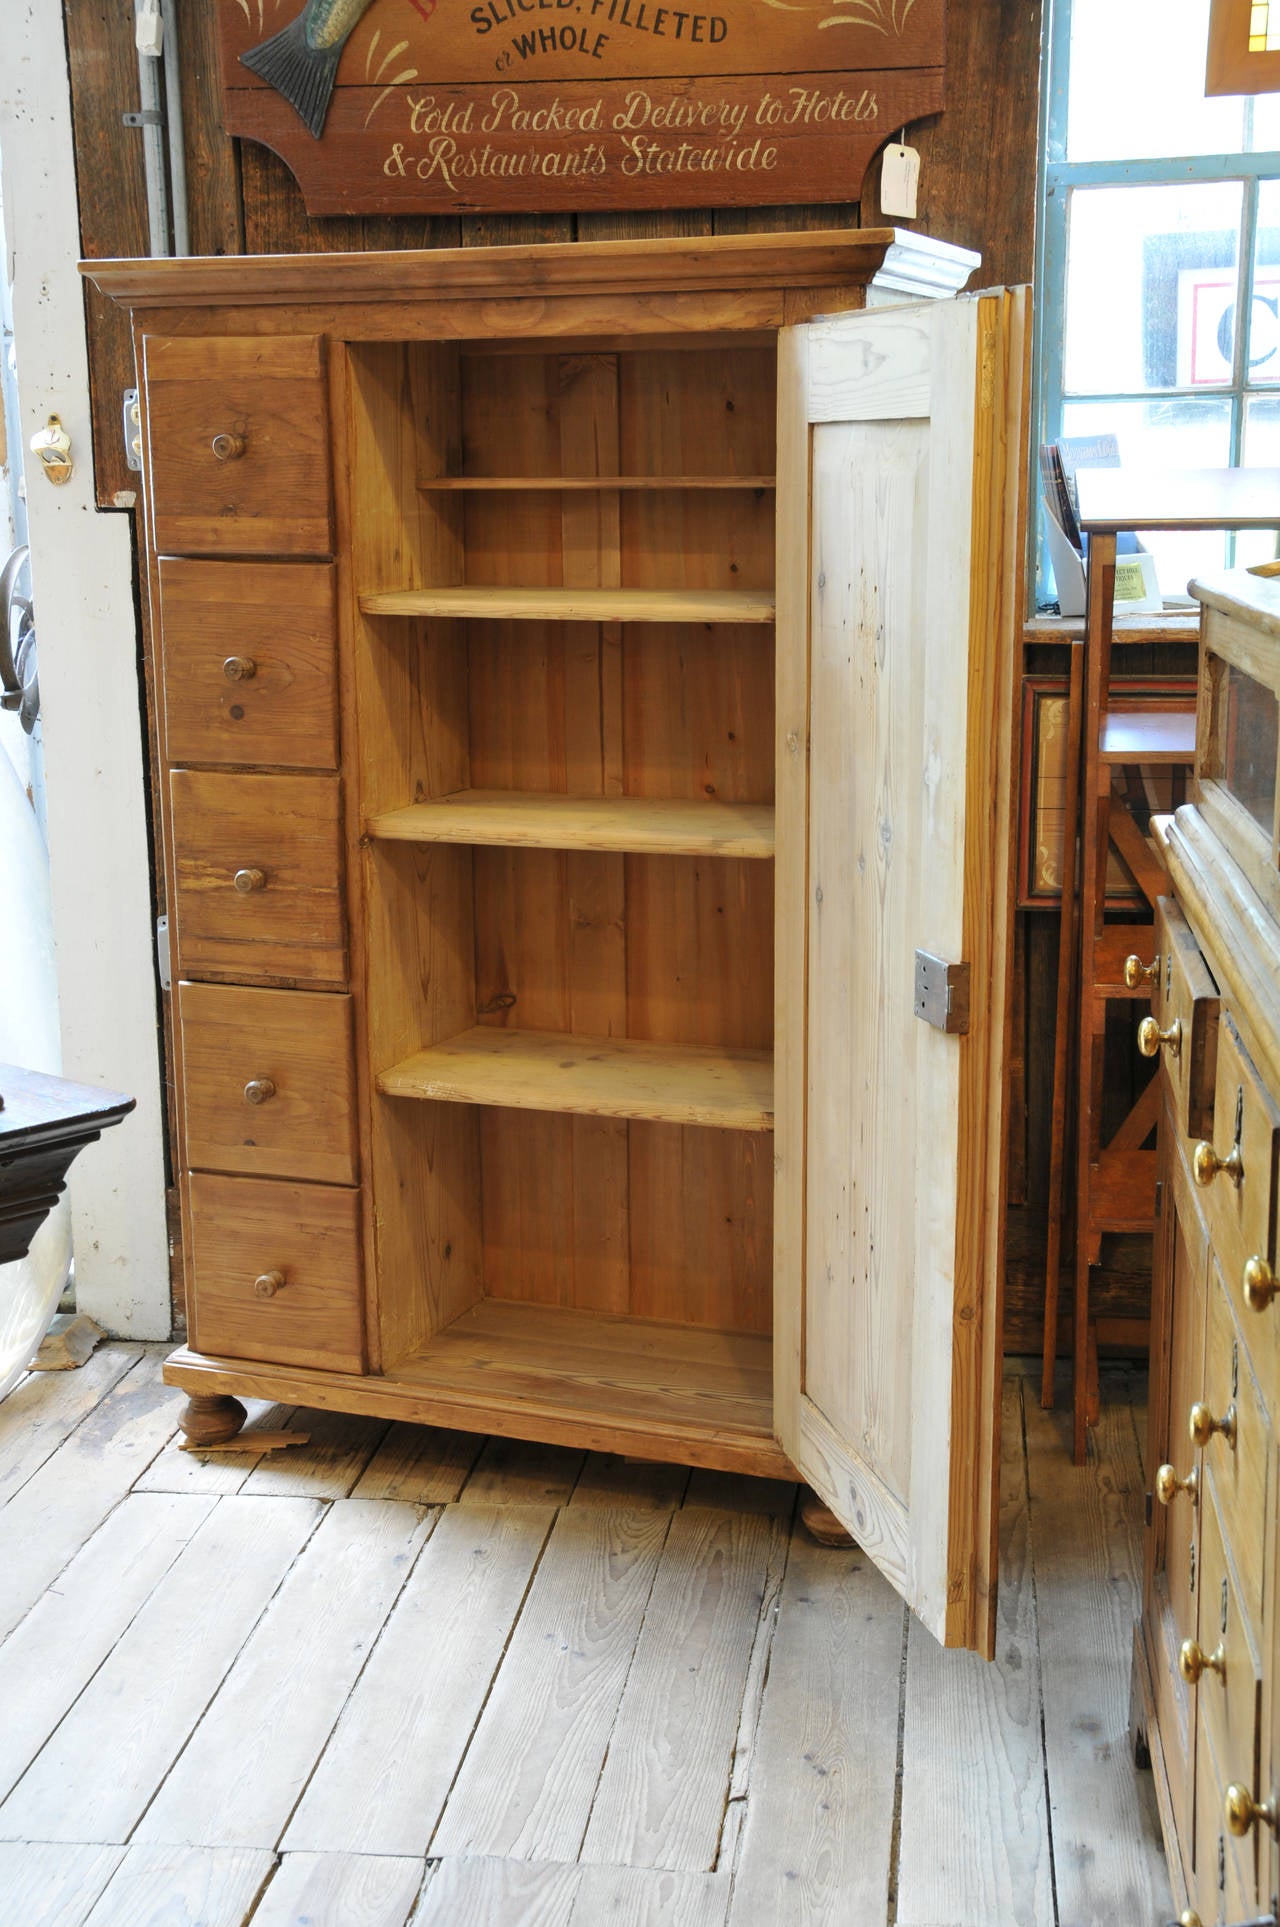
pixel 638 824
pixel 545 484
pixel 532 1070
pixel 669 1389
pixel 577 605
pixel 1151 736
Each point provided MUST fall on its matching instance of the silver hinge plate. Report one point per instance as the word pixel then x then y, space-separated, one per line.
pixel 131 423
pixel 162 953
pixel 942 993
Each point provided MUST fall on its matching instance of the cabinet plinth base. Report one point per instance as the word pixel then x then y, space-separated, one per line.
pixel 209 1420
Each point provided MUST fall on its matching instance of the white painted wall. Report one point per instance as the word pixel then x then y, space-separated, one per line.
pixel 82 584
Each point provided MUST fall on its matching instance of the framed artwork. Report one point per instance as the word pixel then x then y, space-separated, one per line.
pixel 1042 811
pixel 1244 47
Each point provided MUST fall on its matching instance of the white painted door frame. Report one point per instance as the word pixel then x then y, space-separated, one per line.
pixel 82 583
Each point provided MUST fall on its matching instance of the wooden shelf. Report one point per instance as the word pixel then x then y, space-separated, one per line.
pixel 532 1070
pixel 1122 1196
pixel 667 1391
pixel 1150 736
pixel 656 826
pixel 546 484
pixel 577 605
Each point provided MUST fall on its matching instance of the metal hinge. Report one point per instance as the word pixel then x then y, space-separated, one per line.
pixel 163 958
pixel 942 993
pixel 144 117
pixel 131 423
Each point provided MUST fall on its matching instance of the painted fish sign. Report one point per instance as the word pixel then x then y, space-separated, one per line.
pixel 466 106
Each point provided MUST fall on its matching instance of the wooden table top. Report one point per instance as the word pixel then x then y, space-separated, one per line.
pixel 1187 498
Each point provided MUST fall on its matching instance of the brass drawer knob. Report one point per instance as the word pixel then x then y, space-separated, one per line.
pixel 1150 1037
pixel 247 881
pixel 1168 1484
pixel 1188 1918
pixel 260 1089
pixel 1136 973
pixel 1241 1810
pixel 239 669
pixel 1206 1164
pixel 1258 1283
pixel 228 448
pixel 1194 1661
pixel 268 1284
pixel 1202 1425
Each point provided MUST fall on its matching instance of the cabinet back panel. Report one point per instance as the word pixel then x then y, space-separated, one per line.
pixel 651 1220
pixel 673 950
pixel 647 709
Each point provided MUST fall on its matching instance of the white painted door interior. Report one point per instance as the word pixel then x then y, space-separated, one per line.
pixel 901 453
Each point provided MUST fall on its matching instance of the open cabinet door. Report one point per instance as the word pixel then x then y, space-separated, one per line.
pixel 901 498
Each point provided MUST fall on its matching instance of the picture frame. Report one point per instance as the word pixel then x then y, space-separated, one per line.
pixel 1042 807
pixel 1230 66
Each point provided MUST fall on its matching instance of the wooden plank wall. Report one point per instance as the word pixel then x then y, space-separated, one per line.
pixel 977 188
pixel 977 178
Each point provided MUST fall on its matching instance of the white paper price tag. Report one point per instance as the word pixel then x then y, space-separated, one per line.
pixel 899 179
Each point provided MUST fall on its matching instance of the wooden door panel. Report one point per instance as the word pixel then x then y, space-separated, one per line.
pixel 900 432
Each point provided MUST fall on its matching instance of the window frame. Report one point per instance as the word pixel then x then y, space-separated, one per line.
pixel 1059 178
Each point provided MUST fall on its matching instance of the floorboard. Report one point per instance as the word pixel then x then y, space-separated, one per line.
pixel 402 1677
pixel 386 1772
pixel 340 1890
pixel 972 1746
pixel 1086 1539
pixel 244 1769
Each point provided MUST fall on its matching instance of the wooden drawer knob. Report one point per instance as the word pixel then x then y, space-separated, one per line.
pixel 247 881
pixel 1206 1165
pixel 1193 1661
pixel 1168 1484
pixel 1136 973
pixel 1150 1037
pixel 1202 1425
pixel 228 448
pixel 1240 1810
pixel 268 1284
pixel 259 1090
pixel 1258 1283
pixel 239 669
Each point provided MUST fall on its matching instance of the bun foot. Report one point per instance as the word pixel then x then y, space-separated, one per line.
pixel 211 1420
pixel 821 1523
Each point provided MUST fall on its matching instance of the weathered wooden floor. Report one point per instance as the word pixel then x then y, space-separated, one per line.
pixel 399 1675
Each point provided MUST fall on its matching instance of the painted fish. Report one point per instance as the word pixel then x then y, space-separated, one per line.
pixel 301 62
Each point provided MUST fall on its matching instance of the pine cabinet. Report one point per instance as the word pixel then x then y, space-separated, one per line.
pixel 584 680
pixel 1206 1649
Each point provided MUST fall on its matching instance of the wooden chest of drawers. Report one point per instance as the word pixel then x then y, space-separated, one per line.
pixel 1207 1651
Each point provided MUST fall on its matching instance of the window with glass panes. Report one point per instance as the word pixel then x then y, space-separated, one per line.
pixel 1160 272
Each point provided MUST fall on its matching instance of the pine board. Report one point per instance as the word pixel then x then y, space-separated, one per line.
pixel 391 1759
pixel 972 1745
pixel 530 1776
pixel 340 1890
pixel 1086 1539
pixel 250 1758
pixel 576 605
pixel 54 1886
pixel 662 1794
pixel 817 1840
pixel 419 1464
pixel 183 1887
pixel 45 1408
pixel 100 1770
pixel 526 819
pixel 54 1512
pixel 49 1658
pixel 592 1076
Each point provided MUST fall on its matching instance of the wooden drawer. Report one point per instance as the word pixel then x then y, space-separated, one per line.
pixel 1237 1471
pixel 1237 1167
pixel 1228 1705
pixel 275 1272
pixel 279 835
pixel 267 1082
pixel 1186 995
pixel 250 663
pixel 1225 1890
pixel 238 445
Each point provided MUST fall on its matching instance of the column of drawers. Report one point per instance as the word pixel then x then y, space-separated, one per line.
pixel 238 472
pixel 1214 1573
